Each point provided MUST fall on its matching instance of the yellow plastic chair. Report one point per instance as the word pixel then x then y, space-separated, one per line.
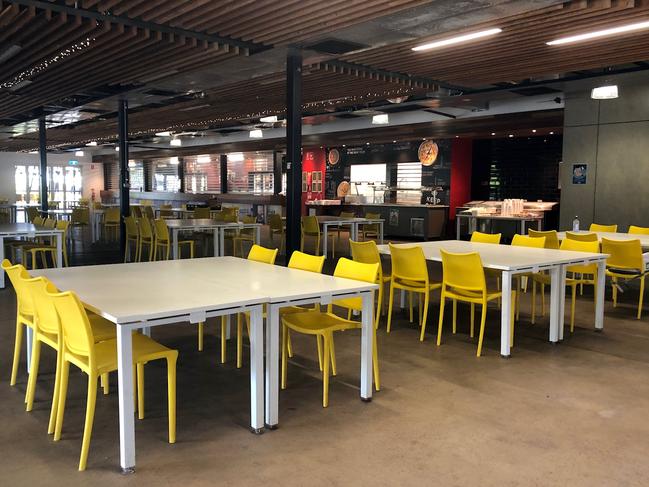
pixel 147 210
pixel 582 237
pixel 410 273
pixel 577 277
pixel 551 238
pixel 276 228
pixel 43 250
pixel 112 221
pixel 325 324
pixel 596 227
pixel 625 262
pixel 80 218
pixel 162 246
pixel 464 280
pixel 136 212
pixel 47 330
pixel 371 230
pixel 31 212
pixel 24 311
pixel 79 348
pixel 491 238
pixel 244 235
pixel 146 238
pixel 525 241
pixel 201 213
pixel 311 228
pixel 165 211
pixel 635 230
pixel 132 236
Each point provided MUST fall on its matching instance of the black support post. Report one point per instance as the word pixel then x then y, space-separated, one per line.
pixel 277 172
pixel 124 178
pixel 42 152
pixel 223 167
pixel 181 173
pixel 293 150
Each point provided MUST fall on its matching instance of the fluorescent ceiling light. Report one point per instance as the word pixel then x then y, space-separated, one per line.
pixel 78 153
pixel 256 134
pixel 271 119
pixel 604 92
pixel 381 119
pixel 174 160
pixel 175 142
pixel 236 157
pixel 458 39
pixel 92 144
pixel 203 159
pixel 166 133
pixel 600 33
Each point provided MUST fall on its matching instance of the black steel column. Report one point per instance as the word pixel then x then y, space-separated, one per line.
pixel 42 152
pixel 181 173
pixel 293 150
pixel 223 167
pixel 124 177
pixel 277 172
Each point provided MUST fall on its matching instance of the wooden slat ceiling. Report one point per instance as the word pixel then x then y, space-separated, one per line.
pixel 520 52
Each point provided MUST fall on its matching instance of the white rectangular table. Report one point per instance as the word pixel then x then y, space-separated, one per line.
pixel 28 230
pixel 644 239
pixel 512 260
pixel 168 292
pixel 354 223
pixel 218 227
pixel 521 219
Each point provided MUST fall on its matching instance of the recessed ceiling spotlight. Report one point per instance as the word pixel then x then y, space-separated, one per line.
pixel 166 133
pixel 493 133
pixel 457 39
pixel 381 119
pixel 600 33
pixel 116 148
pixel 533 131
pixel 604 92
pixel 367 143
pixel 175 142
pixel 270 119
pixel 510 135
pixel 394 141
pixel 344 145
pixel 457 136
pixel 256 134
pixel 551 133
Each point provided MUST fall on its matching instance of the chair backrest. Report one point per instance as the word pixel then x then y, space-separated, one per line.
pixel 347 214
pixel 80 215
pixel 96 205
pixel 136 211
pixel 49 223
pixel 306 262
pixel 16 273
pixel 581 246
pixel 52 205
pixel 46 317
pixel 596 227
pixel 165 210
pixel 32 212
pixel 463 271
pixel 408 263
pixel 583 237
pixel 373 216
pixel 161 230
pixel 147 211
pixel 639 230
pixel 201 212
pixel 231 216
pixel 623 254
pixel 78 338
pixel 358 271
pixel 525 241
pixel 38 221
pixel 551 238
pixel 144 225
pixel 492 238
pixel 310 225
pixel 63 225
pixel 367 253
pixel 131 226
pixel 275 222
pixel 111 215
pixel 262 254
pixel 84 201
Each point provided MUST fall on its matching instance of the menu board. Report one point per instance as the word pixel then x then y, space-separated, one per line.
pixel 437 177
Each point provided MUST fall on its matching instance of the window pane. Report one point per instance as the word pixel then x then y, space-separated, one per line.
pixel 251 172
pixel 165 175
pixel 203 174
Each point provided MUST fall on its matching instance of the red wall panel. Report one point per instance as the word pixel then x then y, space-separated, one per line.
pixel 313 160
pixel 461 166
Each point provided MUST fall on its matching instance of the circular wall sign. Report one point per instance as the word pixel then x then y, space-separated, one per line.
pixel 333 157
pixel 428 152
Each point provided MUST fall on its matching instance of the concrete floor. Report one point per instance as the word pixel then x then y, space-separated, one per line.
pixel 571 414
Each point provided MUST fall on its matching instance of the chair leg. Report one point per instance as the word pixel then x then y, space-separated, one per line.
pixel 105 384
pixel 140 390
pixel 239 341
pixel 289 344
pixel 325 371
pixel 543 300
pixel 284 355
pixel 391 300
pixel 375 363
pixel 17 347
pixel 332 355
pixel 379 306
pixel 511 317
pixel 63 391
pixel 533 301
pixel 90 416
pixel 171 395
pixel 442 304
pixel 641 296
pixel 472 319
pixel 33 374
pixel 614 288
pixel 56 393
pixel 201 330
pixel 223 340
pixel 424 316
pixel 518 298
pixel 483 319
pixel 410 305
pixel 318 340
pixel 454 316
pixel 572 309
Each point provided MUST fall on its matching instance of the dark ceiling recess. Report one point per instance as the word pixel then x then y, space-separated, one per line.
pixel 400 108
pixel 535 91
pixel 336 46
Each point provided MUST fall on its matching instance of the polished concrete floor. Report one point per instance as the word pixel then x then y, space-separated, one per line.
pixel 568 414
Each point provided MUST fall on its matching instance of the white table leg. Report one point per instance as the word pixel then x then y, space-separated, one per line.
pixel 125 389
pixel 2 257
pixel 258 234
pixel 506 313
pixel 402 299
pixel 539 225
pixel 381 232
pixel 457 226
pixel 59 249
pixel 272 365
pixel 354 231
pixel 216 242
pixel 256 370
pixel 555 302
pixel 325 239
pixel 562 300
pixel 523 227
pixel 221 242
pixel 367 337
pixel 174 243
pixel 599 298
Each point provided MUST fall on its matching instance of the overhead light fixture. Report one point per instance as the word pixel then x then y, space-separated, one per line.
pixel 78 153
pixel 380 119
pixel 166 133
pixel 33 152
pixel 608 92
pixel 367 143
pixel 600 33
pixel 116 148
pixel 510 136
pixel 235 157
pixel 551 133
pixel 270 119
pixel 174 160
pixel 92 144
pixel 203 159
pixel 533 131
pixel 175 142
pixel 493 133
pixel 256 134
pixel 458 39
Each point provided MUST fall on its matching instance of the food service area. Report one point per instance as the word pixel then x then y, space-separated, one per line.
pixel 349 243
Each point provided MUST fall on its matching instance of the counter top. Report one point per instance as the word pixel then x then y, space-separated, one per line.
pixel 403 205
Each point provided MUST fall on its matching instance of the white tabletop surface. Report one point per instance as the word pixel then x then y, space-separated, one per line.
pixel 644 239
pixel 503 257
pixel 486 216
pixel 24 228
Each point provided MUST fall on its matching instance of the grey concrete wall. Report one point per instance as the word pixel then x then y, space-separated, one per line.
pixel 612 137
